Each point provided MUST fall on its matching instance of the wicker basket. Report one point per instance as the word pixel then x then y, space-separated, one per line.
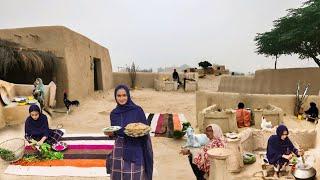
pixel 15 145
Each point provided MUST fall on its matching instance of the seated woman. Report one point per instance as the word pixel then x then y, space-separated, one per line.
pixel 243 116
pixel 198 158
pixel 36 128
pixel 280 150
pixel 38 92
pixel 312 112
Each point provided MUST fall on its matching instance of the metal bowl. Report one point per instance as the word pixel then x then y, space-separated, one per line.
pixel 60 144
pixel 308 173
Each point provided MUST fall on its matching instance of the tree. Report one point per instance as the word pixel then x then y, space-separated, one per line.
pixel 296 33
pixel 204 64
pixel 133 74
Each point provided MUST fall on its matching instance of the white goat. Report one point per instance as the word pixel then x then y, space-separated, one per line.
pixel 195 140
pixel 265 125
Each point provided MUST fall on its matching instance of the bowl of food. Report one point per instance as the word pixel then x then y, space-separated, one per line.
pixel 137 129
pixel 111 129
pixel 32 101
pixel 59 146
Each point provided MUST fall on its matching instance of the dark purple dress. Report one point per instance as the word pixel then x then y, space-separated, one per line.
pixel 132 158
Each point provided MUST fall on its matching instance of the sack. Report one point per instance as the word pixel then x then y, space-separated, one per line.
pixel 249 158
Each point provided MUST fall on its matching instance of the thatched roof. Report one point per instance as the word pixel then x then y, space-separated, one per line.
pixel 14 56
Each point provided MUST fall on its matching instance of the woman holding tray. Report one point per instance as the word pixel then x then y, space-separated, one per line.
pixel 132 157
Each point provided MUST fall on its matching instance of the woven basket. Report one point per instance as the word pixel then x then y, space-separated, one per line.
pixel 15 145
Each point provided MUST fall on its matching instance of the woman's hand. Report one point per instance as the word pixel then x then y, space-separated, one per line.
pixel 300 152
pixel 288 157
pixel 41 141
pixel 185 152
pixel 110 134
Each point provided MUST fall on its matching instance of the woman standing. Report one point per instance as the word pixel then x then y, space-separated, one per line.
pixel 132 157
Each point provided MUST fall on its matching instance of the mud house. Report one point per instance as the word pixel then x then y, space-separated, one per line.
pixel 81 65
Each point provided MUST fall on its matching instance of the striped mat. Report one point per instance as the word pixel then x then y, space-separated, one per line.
pixel 164 124
pixel 85 156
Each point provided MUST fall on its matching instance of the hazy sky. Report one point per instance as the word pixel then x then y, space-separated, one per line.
pixel 164 32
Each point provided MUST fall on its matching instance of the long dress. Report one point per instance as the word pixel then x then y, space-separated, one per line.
pixel 131 158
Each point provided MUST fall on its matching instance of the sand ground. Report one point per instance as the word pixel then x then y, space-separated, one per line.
pixel 93 115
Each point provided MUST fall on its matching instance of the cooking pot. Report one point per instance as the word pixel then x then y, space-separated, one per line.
pixel 305 172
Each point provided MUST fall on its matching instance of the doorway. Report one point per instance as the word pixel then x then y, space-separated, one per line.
pixel 97 74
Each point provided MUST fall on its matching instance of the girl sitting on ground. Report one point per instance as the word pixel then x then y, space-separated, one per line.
pixel 37 128
pixel 38 92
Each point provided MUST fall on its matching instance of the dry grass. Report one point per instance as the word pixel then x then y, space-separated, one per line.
pixel 13 56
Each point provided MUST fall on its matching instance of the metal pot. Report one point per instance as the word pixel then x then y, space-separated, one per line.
pixel 307 173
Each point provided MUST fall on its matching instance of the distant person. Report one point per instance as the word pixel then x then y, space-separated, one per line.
pixel 186 76
pixel 280 150
pixel 175 76
pixel 243 116
pixel 312 112
pixel 38 92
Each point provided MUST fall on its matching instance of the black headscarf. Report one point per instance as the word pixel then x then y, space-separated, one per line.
pixel 277 147
pixel 37 127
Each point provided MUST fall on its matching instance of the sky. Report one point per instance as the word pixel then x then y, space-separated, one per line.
pixel 163 33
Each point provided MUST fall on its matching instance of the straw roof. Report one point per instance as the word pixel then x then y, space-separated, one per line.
pixel 14 57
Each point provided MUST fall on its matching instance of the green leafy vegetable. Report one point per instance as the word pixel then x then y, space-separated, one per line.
pixel 46 153
pixel 7 155
pixel 180 134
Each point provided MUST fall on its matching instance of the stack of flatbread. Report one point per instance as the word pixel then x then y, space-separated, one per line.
pixel 137 129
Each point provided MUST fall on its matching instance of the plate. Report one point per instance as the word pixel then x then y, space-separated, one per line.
pixel 232 135
pixel 136 134
pixel 111 129
pixel 137 129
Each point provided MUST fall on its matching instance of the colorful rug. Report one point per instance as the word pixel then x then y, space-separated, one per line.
pixel 164 124
pixel 85 156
